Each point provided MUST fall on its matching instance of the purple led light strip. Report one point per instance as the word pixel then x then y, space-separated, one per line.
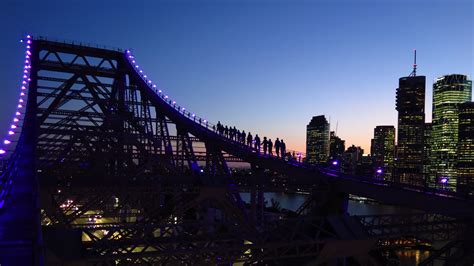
pixel 172 103
pixel 23 93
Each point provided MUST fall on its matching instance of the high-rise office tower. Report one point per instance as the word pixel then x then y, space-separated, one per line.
pixel 351 159
pixel 410 105
pixel 336 146
pixel 448 92
pixel 317 140
pixel 465 163
pixel 383 151
pixel 427 173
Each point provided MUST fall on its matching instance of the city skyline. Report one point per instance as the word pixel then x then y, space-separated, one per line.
pixel 280 71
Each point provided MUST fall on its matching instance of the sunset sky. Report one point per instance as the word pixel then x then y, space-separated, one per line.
pixel 263 66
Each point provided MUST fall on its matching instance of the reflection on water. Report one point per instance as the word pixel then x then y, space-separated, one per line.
pixel 293 202
pixel 412 257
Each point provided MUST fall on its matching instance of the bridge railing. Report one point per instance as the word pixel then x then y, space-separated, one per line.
pixel 77 43
pixel 404 186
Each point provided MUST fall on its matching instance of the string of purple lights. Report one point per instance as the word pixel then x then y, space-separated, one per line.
pixel 161 94
pixel 10 139
pixel 172 103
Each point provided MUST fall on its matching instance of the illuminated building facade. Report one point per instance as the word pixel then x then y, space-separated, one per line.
pixel 383 151
pixel 336 146
pixel 465 162
pixel 317 140
pixel 448 93
pixel 410 104
pixel 428 176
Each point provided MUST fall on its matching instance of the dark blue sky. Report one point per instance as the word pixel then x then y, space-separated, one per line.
pixel 264 66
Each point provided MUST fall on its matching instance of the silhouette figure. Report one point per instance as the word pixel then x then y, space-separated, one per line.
pixel 277 147
pixel 270 147
pixel 257 143
pixel 249 140
pixel 265 145
pixel 283 149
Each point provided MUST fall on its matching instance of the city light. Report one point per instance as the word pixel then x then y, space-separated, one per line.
pixel 23 87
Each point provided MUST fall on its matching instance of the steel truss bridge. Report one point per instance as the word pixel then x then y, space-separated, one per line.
pixel 101 167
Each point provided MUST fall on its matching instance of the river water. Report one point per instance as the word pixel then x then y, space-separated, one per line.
pixel 293 201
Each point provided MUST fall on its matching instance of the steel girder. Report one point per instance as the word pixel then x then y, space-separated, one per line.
pixel 94 121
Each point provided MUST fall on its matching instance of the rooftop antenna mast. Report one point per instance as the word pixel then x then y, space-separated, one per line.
pixel 413 73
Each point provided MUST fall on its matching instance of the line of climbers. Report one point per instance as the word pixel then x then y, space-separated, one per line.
pixel 255 143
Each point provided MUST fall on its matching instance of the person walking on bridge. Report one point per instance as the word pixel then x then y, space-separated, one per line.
pixel 265 145
pixel 283 149
pixel 249 140
pixel 219 126
pixel 270 147
pixel 231 133
pixel 277 147
pixel 257 143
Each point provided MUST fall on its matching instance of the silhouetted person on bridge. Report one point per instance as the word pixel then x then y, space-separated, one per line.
pixel 231 133
pixel 265 145
pixel 283 149
pixel 270 147
pixel 242 137
pixel 277 147
pixel 226 132
pixel 257 143
pixel 249 140
pixel 219 126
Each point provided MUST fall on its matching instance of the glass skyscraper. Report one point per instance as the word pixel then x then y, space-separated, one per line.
pixel 383 151
pixel 465 164
pixel 410 105
pixel 448 92
pixel 317 140
pixel 427 153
